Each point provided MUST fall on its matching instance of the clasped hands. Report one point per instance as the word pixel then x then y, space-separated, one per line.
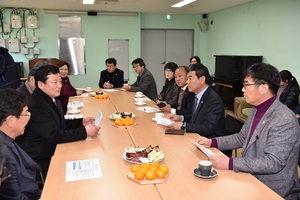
pixel 91 129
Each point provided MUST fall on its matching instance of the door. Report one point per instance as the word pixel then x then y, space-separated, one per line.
pixel 162 46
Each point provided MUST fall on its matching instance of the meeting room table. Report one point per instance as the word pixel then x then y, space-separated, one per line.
pixel 181 156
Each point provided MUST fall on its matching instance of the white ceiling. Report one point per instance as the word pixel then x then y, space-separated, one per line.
pixel 140 6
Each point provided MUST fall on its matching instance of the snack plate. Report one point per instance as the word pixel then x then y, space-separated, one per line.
pixel 144 160
pixel 111 116
pixel 125 126
pixel 73 112
pixel 130 175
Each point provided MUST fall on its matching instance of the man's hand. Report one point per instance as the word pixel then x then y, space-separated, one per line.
pixel 167 108
pixel 176 118
pixel 220 162
pixel 88 120
pixel 92 130
pixel 127 87
pixel 204 141
pixel 175 125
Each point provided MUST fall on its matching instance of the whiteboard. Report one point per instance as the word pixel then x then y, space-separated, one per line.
pixel 119 49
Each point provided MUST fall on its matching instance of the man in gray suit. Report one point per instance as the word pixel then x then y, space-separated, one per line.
pixel 269 138
pixel 145 81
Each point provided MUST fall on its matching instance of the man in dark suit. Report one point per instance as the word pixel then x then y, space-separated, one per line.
pixel 207 118
pixel 185 98
pixel 112 77
pixel 47 127
pixel 145 81
pixel 9 76
pixel 17 170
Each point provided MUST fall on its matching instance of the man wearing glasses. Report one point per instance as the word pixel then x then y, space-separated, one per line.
pixel 17 169
pixel 145 81
pixel 269 138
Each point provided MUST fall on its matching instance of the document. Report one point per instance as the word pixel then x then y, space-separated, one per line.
pixel 98 118
pixel 206 151
pixel 83 169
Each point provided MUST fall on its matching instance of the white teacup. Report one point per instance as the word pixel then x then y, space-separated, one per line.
pixel 73 108
pixel 76 103
pixel 89 88
pixel 159 115
pixel 139 93
pixel 140 101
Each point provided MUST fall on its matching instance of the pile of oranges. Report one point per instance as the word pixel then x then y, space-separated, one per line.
pixel 149 171
pixel 102 96
pixel 127 121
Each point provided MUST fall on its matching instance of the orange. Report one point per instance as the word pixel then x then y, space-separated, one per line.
pixel 153 168
pixel 144 165
pixel 150 175
pixel 131 121
pixel 160 173
pixel 155 164
pixel 127 123
pixel 134 168
pixel 164 168
pixel 139 175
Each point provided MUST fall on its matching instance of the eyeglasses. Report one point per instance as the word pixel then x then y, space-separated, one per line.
pixel 27 114
pixel 248 84
pixel 135 66
pixel 63 70
pixel 5 174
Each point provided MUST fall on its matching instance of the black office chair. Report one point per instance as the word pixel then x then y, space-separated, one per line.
pixel 232 125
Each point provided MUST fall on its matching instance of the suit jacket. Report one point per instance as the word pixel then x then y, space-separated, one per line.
pixel 45 130
pixel 271 154
pixel 145 84
pixel 209 120
pixel 22 183
pixel 187 103
pixel 116 78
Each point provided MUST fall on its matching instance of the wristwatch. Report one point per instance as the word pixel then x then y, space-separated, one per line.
pixel 183 127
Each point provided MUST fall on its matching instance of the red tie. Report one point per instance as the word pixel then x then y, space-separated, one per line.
pixel 181 91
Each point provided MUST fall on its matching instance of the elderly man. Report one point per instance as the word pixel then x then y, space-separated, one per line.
pixel 29 85
pixel 185 98
pixel 18 170
pixel 112 77
pixel 47 127
pixel 269 137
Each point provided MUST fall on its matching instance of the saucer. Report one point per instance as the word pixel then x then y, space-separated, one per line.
pixel 139 96
pixel 213 174
pixel 140 104
pixel 74 111
pixel 154 119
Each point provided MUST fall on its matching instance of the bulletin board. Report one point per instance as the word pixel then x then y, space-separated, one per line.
pixel 119 49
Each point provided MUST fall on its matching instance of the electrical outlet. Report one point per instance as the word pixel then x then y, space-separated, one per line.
pixel 14 45
pixel 3 43
pixel 25 51
pixel 16 21
pixel 6 28
pixel 36 51
pixel 35 39
pixel 32 22
pixel 24 39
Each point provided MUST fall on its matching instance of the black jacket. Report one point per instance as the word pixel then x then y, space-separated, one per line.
pixel 116 78
pixel 290 96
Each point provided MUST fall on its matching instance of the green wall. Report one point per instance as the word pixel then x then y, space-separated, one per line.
pixel 265 27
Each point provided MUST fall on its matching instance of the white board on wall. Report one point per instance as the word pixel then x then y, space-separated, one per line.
pixel 119 49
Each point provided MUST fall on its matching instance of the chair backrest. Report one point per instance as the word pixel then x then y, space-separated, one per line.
pixel 232 124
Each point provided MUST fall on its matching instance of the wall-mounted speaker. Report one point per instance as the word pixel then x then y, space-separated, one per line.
pixel 202 25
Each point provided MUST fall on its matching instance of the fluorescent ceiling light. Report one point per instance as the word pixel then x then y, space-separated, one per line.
pixel 88 1
pixel 182 3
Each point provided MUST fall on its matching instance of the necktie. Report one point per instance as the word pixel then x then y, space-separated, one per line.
pixel 180 97
pixel 195 105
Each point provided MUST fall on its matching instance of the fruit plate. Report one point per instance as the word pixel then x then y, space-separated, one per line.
pixel 133 125
pixel 142 160
pixel 130 175
pixel 117 115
